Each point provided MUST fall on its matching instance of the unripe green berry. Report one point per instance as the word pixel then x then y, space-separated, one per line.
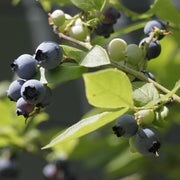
pixel 58 17
pixel 162 113
pixel 134 54
pixel 144 117
pixel 78 32
pixel 78 22
pixel 116 48
pixel 67 16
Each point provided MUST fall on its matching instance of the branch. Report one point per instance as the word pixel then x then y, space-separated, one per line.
pixel 75 41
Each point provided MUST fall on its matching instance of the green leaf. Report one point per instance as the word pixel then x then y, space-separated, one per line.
pixel 4 85
pixel 86 126
pixel 47 4
pixel 88 5
pixel 9 136
pixel 15 2
pixel 73 53
pixel 6 116
pixel 96 57
pixel 173 14
pixel 64 72
pixel 143 93
pixel 108 88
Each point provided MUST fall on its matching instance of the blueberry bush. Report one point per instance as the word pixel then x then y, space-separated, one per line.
pixel 132 87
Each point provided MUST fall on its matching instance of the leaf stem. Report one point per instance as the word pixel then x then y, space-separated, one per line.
pixel 142 77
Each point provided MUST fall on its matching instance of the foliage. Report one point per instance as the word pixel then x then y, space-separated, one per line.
pixel 109 90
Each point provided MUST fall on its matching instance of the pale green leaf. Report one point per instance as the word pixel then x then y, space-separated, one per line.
pixel 86 126
pixel 108 88
pixel 96 57
pixel 143 93
pixel 6 115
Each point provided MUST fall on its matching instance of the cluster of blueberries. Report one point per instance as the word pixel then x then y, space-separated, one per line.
pixel 154 48
pixel 27 92
pixel 143 137
pixel 145 140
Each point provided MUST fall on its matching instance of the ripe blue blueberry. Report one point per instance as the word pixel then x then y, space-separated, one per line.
pixel 33 91
pixel 14 91
pixel 23 107
pixel 151 25
pixel 149 75
pixel 111 14
pixel 126 126
pixel 25 66
pixel 8 168
pixel 47 98
pixel 154 48
pixel 105 30
pixel 147 141
pixel 48 54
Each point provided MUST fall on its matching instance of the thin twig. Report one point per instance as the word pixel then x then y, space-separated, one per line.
pixel 75 41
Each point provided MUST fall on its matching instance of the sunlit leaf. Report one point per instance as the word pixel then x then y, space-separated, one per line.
pixel 86 126
pixel 108 88
pixel 96 57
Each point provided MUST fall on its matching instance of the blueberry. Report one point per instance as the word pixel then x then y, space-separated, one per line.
pixel 104 29
pixel 23 107
pixel 25 66
pixel 151 25
pixel 78 32
pixel 149 75
pixel 50 171
pixel 111 14
pixel 116 48
pixel 147 141
pixel 48 54
pixel 55 170
pixel 126 126
pixel 8 168
pixel 154 48
pixel 144 117
pixel 134 54
pixel 14 91
pixel 33 91
pixel 58 17
pixel 47 98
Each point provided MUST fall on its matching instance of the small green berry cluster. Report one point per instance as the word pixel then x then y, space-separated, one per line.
pixel 73 26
